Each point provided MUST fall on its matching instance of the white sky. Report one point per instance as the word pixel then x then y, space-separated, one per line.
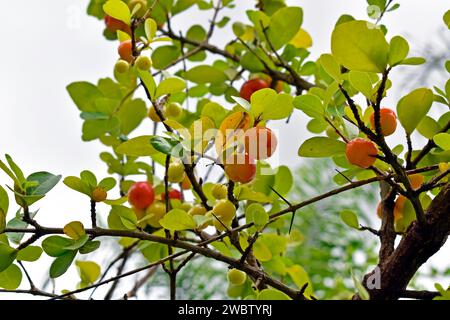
pixel 48 44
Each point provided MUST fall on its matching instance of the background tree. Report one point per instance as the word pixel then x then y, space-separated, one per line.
pixel 241 214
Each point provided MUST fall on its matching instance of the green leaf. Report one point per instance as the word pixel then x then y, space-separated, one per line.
pixel 256 213
pixel 89 247
pixel 131 114
pixel 137 147
pixel 89 271
pixel 300 278
pixel 4 201
pixel 362 291
pixel 284 25
pixel 398 50
pixel 447 19
pixel 266 104
pixel 77 184
pixel 89 178
pixel 360 46
pixel 320 147
pixel 214 111
pixel 107 183
pixel 413 61
pixel 361 82
pixel 311 105
pixel 283 182
pixel 150 27
pixel 11 278
pixel 350 219
pixel 84 95
pixel 30 253
pixel 272 294
pixel 148 81
pixel 412 108
pixel 7 256
pixel 15 168
pixel 330 66
pixel 428 127
pixel 442 140
pixel 46 182
pixel 126 215
pixel 74 230
pixel 164 145
pixel 61 264
pixel 163 56
pixel 170 86
pixel 16 223
pixel 247 193
pixel 55 246
pixel 78 243
pixel 177 220
pixel 118 10
pixel 206 74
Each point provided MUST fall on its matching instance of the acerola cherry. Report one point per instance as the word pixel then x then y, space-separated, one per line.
pixel 361 152
pixel 186 183
pixel 176 172
pixel 398 209
pixel 416 180
pixel 113 25
pixel 399 206
pixel 126 51
pixel 388 121
pixel 260 142
pixel 236 277
pixel 219 191
pixel 173 194
pixel 186 206
pixel 141 195
pixel 251 86
pixel 143 63
pixel 197 211
pixel 99 194
pixel 240 168
pixel 173 110
pixel 155 213
pixel 225 210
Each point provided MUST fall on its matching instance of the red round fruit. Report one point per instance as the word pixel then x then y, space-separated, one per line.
pixel 113 25
pixel 141 195
pixel 388 121
pixel 260 142
pixel 361 152
pixel 251 86
pixel 173 194
pixel 240 168
pixel 126 51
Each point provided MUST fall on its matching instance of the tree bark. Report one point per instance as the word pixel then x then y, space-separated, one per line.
pixel 416 247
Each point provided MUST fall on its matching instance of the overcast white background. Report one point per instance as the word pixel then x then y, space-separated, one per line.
pixel 48 44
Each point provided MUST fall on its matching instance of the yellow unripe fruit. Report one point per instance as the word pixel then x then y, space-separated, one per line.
pixel 173 110
pixel 225 210
pixel 176 172
pixel 197 211
pixel 186 206
pixel 220 225
pixel 153 115
pixel 234 291
pixel 155 213
pixel 122 66
pixel 236 277
pixel 143 63
pixel 219 191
